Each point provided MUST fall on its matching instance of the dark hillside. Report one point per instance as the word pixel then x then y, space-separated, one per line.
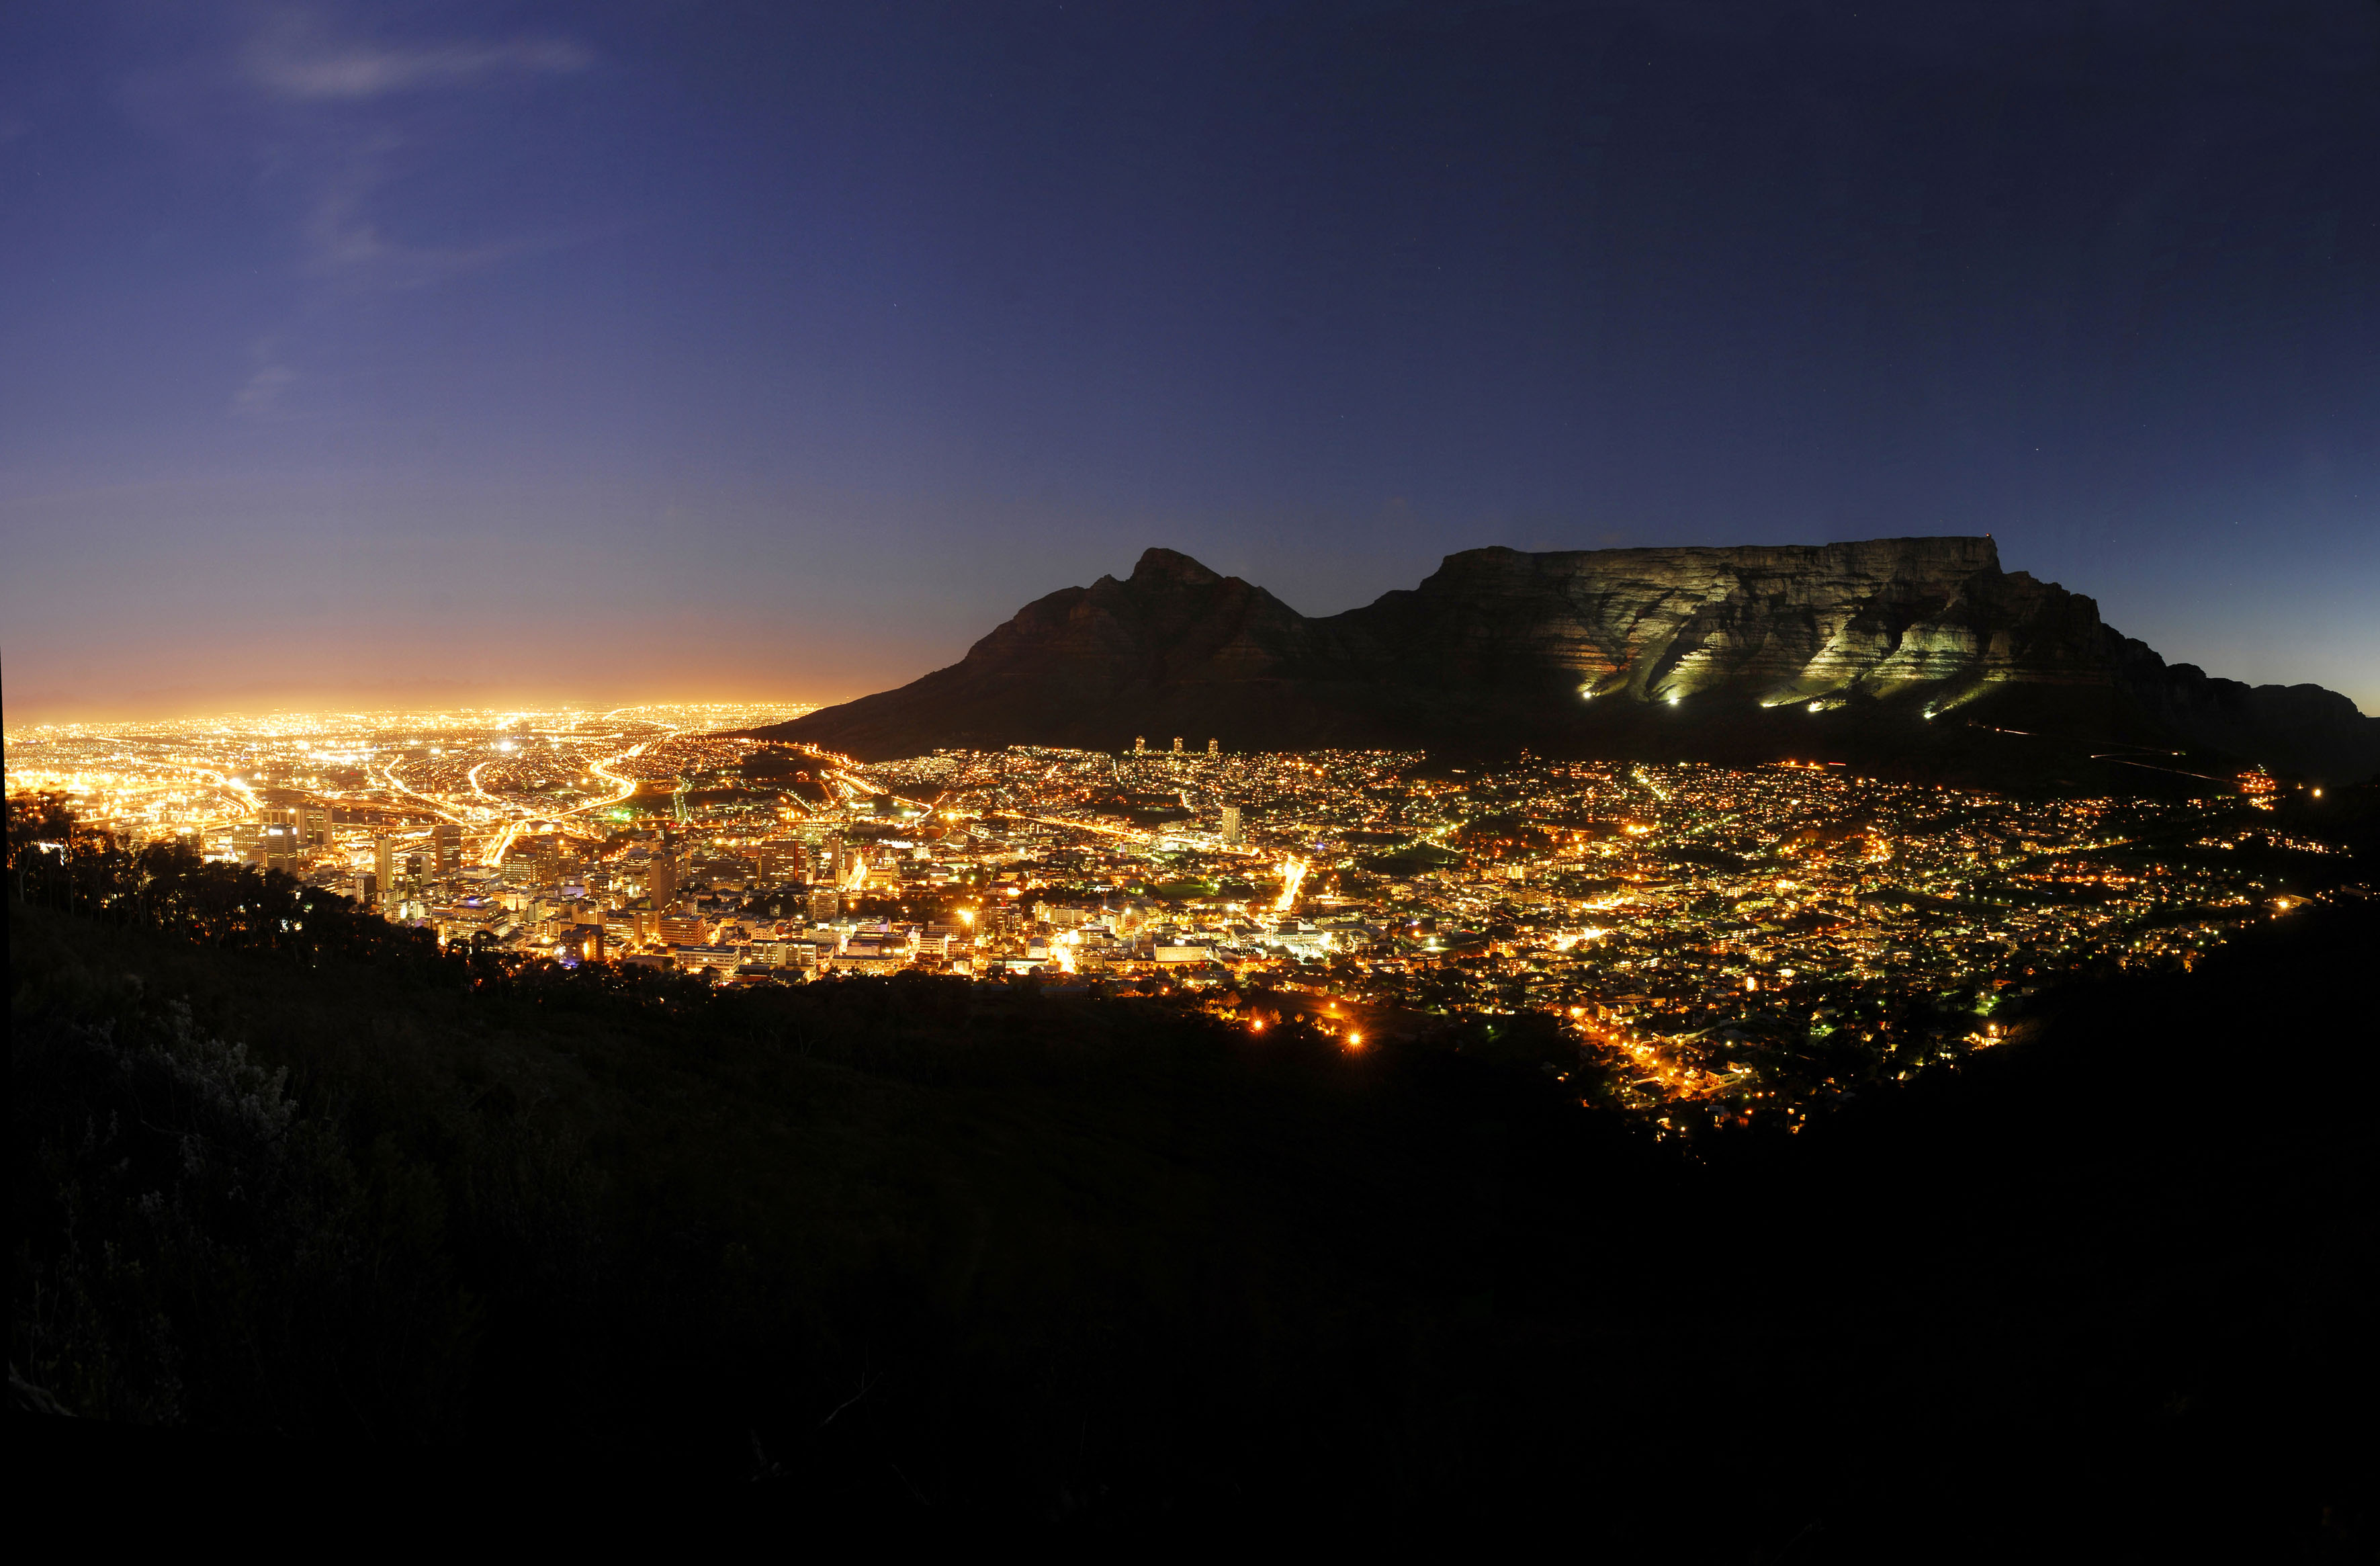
pixel 1846 651
pixel 910 1249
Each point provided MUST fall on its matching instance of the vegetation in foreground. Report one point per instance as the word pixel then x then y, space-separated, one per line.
pixel 913 1245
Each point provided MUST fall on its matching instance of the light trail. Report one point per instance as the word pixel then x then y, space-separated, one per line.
pixel 628 786
pixel 1133 834
pixel 1677 1082
pixel 603 768
pixel 388 769
pixel 1292 870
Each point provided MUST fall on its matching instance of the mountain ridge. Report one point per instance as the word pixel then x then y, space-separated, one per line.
pixel 1900 652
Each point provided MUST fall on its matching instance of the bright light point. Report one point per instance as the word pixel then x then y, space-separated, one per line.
pixel 1673 699
pixel 1355 1041
pixel 1815 707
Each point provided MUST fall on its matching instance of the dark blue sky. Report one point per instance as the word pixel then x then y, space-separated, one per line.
pixel 464 353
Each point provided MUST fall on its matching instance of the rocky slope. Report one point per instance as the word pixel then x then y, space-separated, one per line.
pixel 1915 652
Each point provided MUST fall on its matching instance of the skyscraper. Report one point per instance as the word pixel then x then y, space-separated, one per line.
pixel 385 861
pixel 277 847
pixel 1140 746
pixel 1214 748
pixel 1177 744
pixel 446 847
pixel 1230 826
pixel 661 881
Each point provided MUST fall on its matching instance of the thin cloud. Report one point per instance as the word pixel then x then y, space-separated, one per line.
pixel 261 392
pixel 344 241
pixel 259 395
pixel 293 60
pixel 335 117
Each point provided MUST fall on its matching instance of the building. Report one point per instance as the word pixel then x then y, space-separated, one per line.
pixel 1177 744
pixel 1214 748
pixel 277 846
pixel 385 861
pixel 660 880
pixel 824 904
pixel 719 960
pixel 1140 746
pixel 314 826
pixel 1230 826
pixel 446 847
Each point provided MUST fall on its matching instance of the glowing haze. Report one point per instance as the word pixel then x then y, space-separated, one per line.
pixel 455 355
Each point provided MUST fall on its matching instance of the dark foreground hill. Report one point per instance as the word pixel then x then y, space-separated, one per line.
pixel 1916 653
pixel 885 1253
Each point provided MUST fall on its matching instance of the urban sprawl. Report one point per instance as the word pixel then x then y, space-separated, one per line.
pixel 1717 942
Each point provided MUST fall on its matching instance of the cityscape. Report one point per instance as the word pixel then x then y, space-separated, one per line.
pixel 1719 945
pixel 1603 772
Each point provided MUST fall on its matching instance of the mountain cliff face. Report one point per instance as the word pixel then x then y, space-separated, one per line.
pixel 1906 650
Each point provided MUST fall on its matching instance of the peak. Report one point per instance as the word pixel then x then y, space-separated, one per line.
pixel 1171 566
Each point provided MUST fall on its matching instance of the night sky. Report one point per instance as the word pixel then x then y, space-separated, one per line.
pixel 465 353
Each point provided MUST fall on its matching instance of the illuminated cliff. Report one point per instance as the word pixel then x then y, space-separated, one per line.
pixel 1907 651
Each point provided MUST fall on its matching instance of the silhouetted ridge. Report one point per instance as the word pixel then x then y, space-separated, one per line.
pixel 1166 564
pixel 1919 653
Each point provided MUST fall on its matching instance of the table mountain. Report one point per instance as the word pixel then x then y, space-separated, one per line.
pixel 1912 653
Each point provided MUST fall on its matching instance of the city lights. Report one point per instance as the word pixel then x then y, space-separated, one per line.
pixel 1698 929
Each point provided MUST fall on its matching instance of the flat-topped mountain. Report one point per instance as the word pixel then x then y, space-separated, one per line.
pixel 1915 652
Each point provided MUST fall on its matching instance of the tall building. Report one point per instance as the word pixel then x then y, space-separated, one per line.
pixel 661 881
pixel 1177 744
pixel 314 826
pixel 385 861
pixel 277 846
pixel 824 904
pixel 446 847
pixel 1140 746
pixel 1230 826
pixel 1214 748
pixel 367 886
